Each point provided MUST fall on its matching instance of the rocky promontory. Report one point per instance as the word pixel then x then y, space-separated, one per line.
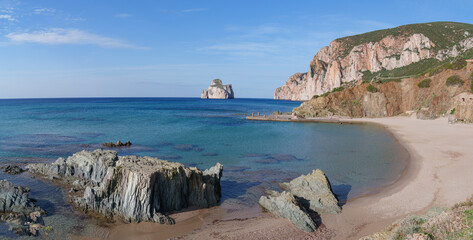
pixel 133 188
pixel 217 90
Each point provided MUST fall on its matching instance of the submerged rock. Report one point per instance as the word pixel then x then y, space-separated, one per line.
pixel 218 91
pixel 18 210
pixel 285 205
pixel 314 191
pixel 116 144
pixel 12 169
pixel 134 188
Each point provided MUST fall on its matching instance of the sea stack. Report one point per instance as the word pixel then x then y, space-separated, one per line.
pixel 218 91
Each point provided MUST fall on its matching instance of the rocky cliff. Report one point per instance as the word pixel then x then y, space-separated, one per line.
pixel 218 91
pixel 378 54
pixel 131 187
pixel 442 92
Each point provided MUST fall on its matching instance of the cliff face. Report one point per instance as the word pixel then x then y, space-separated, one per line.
pixel 346 60
pixel 429 96
pixel 218 91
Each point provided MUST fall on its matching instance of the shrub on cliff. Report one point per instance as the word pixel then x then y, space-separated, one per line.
pixel 424 83
pixel 372 89
pixel 454 80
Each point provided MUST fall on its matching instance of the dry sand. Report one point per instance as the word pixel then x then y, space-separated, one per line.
pixel 440 173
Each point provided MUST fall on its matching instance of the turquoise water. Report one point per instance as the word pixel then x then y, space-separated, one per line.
pixel 357 158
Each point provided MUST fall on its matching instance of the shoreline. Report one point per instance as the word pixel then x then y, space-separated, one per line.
pixel 435 175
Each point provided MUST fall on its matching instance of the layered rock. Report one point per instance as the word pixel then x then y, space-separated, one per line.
pixel 217 90
pixel 346 60
pixel 134 188
pixel 314 192
pixel 285 205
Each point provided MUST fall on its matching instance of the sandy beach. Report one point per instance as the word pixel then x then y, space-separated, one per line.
pixel 439 174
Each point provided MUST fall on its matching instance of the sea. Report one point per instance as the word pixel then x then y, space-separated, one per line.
pixel 358 159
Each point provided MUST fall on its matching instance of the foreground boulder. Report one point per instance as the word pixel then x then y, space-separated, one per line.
pixel 218 91
pixel 18 211
pixel 285 205
pixel 313 191
pixel 131 187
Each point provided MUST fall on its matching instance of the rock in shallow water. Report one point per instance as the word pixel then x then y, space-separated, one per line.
pixel 134 188
pixel 19 211
pixel 285 205
pixel 12 169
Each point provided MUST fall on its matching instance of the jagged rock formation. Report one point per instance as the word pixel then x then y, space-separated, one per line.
pixel 131 187
pixel 314 192
pixel 15 199
pixel 350 59
pixel 18 210
pixel 116 144
pixel 218 91
pixel 399 97
pixel 285 205
pixel 304 197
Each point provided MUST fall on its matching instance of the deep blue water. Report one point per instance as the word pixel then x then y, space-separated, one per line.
pixel 357 158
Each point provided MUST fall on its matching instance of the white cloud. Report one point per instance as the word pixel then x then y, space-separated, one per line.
pixel 194 10
pixel 123 15
pixel 45 11
pixel 68 36
pixel 7 17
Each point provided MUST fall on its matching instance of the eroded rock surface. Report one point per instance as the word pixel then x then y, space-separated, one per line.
pixel 285 205
pixel 314 191
pixel 12 169
pixel 131 187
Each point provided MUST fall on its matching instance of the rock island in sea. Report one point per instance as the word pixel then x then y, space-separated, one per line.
pixel 218 91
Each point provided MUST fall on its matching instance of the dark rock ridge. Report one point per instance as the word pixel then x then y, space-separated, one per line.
pixel 18 210
pixel 116 144
pixel 131 187
pixel 303 199
pixel 12 169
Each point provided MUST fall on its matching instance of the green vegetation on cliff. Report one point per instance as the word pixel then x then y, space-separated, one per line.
pixel 424 83
pixel 454 80
pixel 443 34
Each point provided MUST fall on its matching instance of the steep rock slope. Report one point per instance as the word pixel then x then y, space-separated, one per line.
pixel 351 59
pixel 442 93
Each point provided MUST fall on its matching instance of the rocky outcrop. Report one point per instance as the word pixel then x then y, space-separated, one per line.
pixel 346 60
pixel 463 105
pixel 302 200
pixel 285 205
pixel 218 91
pixel 314 192
pixel 131 187
pixel 18 210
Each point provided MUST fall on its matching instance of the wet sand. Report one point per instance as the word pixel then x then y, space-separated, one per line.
pixel 438 174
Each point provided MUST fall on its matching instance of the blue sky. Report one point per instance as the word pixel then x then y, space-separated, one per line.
pixel 82 48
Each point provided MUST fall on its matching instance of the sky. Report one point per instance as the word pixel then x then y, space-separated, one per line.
pixel 172 48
